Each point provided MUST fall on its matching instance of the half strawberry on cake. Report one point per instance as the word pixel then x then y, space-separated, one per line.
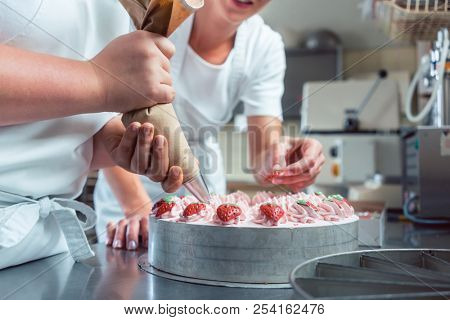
pixel 196 211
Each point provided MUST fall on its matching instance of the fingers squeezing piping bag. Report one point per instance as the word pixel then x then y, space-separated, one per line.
pixel 165 122
pixel 163 17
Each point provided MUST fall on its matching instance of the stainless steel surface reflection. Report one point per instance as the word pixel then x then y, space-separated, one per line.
pixel 114 274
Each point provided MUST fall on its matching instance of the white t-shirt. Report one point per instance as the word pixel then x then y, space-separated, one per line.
pixel 53 157
pixel 207 82
pixel 206 97
pixel 49 158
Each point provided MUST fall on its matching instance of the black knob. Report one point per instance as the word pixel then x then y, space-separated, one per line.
pixel 382 74
pixel 334 152
pixel 351 124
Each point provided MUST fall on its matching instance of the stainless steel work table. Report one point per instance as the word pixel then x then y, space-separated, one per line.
pixel 114 274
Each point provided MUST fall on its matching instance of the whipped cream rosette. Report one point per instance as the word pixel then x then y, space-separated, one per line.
pixel 309 209
pixel 235 197
pixel 317 196
pixel 338 205
pixel 262 196
pixel 303 212
pixel 306 211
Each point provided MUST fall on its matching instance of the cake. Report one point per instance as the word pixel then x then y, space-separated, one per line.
pixel 238 239
pixel 265 209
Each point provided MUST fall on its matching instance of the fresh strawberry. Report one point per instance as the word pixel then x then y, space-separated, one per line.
pixel 167 199
pixel 193 208
pixel 163 208
pixel 164 205
pixel 158 204
pixel 228 212
pixel 272 211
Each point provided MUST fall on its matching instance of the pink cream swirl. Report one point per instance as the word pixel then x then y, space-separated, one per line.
pixel 338 205
pixel 262 196
pixel 295 208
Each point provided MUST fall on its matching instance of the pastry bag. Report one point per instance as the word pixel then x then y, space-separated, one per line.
pixel 163 17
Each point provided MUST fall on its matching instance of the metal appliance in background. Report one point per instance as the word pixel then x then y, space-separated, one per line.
pixel 357 122
pixel 318 58
pixel 426 149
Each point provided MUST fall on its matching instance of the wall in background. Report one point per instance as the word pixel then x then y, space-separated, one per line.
pixel 361 37
pixel 364 61
pixel 293 18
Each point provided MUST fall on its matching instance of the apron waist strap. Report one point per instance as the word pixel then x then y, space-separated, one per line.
pixel 73 228
pixel 63 210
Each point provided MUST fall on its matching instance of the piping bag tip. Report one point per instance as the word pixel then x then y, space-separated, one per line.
pixel 198 188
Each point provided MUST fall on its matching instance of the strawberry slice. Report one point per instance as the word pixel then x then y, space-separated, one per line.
pixel 164 205
pixel 163 208
pixel 228 212
pixel 193 208
pixel 158 204
pixel 272 211
pixel 168 199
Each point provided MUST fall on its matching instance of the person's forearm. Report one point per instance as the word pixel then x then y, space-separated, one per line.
pixel 129 191
pixel 36 87
pixel 114 129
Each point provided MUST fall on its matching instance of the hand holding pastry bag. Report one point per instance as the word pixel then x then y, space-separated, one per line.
pixel 163 17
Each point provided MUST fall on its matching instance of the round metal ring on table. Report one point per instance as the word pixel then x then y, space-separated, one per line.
pixel 145 266
pixel 375 274
pixel 249 255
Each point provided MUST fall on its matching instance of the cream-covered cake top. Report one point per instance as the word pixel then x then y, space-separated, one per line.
pixel 265 209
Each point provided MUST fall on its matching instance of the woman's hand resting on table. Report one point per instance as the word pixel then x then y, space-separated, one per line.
pixel 294 163
pixel 130 232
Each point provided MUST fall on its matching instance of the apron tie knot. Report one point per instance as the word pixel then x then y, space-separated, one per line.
pixel 45 207
pixel 28 211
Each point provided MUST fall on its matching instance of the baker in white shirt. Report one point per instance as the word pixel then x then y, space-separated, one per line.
pixel 66 69
pixel 226 54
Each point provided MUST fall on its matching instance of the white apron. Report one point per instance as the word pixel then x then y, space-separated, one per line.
pixel 34 229
pixel 44 165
